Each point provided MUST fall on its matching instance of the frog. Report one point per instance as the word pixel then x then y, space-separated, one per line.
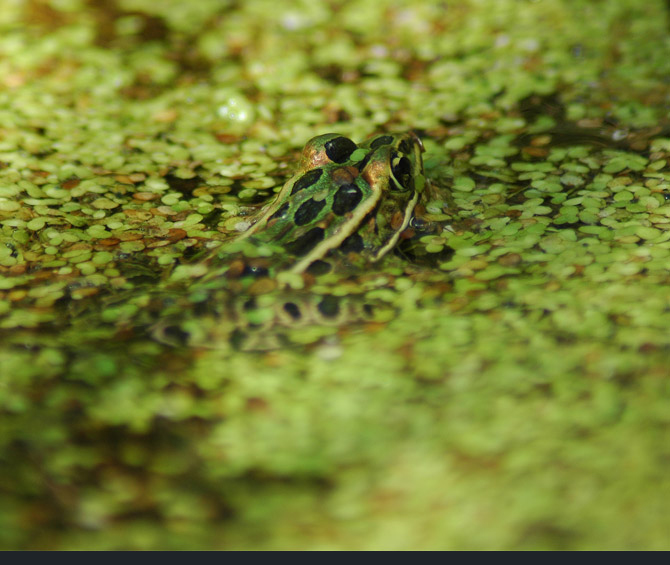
pixel 345 208
pixel 353 198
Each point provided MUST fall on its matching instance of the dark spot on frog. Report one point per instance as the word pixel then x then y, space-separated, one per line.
pixel 340 149
pixel 308 211
pixel 175 335
pixel 346 199
pixel 329 306
pixel 291 308
pixel 306 242
pixel 383 140
pixel 306 180
pixel 352 244
pixel 319 268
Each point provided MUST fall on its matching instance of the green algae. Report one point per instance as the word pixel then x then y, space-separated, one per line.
pixel 511 390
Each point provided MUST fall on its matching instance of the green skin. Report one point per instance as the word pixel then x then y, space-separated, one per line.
pixel 340 190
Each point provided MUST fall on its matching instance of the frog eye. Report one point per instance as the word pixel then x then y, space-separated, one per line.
pixel 306 180
pixel 340 149
pixel 382 140
pixel 401 173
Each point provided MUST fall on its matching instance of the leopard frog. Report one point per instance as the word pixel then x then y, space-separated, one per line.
pixel 349 198
pixel 346 206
